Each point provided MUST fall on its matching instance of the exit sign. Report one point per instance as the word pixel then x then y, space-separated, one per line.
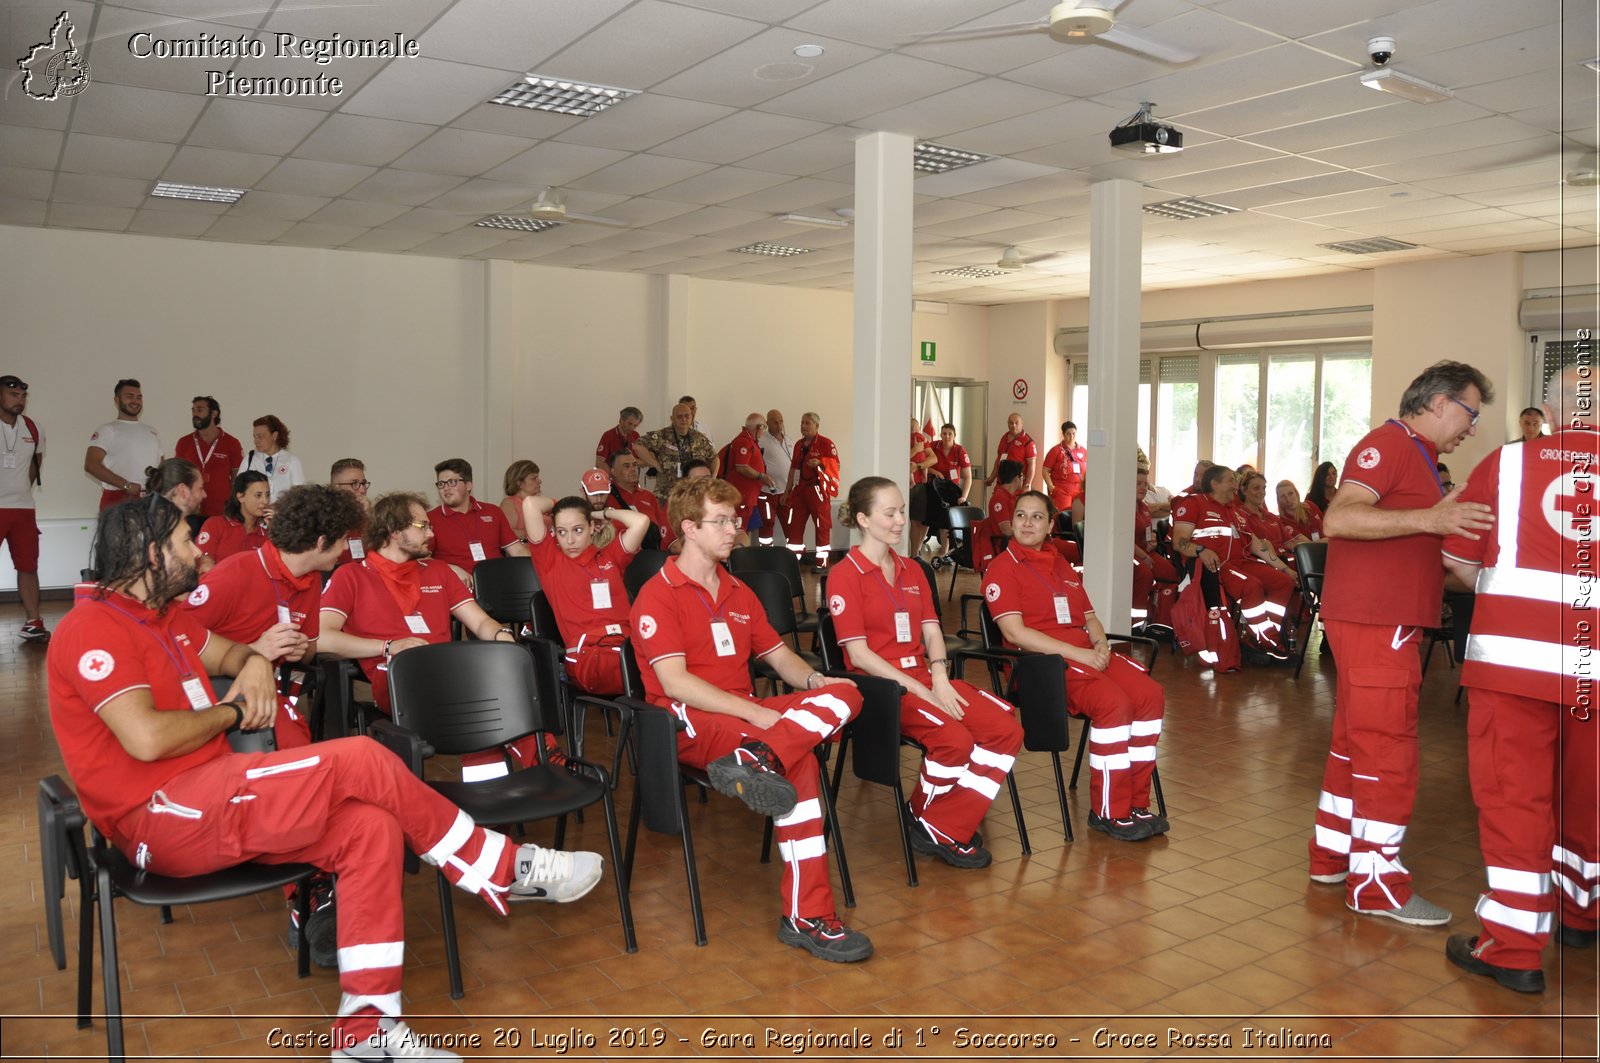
pixel 928 357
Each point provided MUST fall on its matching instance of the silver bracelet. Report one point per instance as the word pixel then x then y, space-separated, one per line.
pixel 814 675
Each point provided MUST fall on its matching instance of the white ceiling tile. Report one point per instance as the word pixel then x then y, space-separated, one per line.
pixel 740 134
pixel 314 178
pixel 423 219
pixel 100 191
pixel 233 12
pixel 17 211
pixel 248 230
pixel 291 81
pixel 884 25
pixel 25 184
pixel 237 125
pixel 85 216
pixel 462 243
pixel 149 114
pixel 1307 103
pixel 482 196
pixel 1300 20
pixel 642 211
pixel 1250 175
pixel 388 240
pixel 208 166
pixel 1067 121
pixel 312 234
pixel 1479 133
pixel 554 163
pixel 991 174
pixel 277 206
pixel 1398 120
pixel 426 90
pixel 361 140
pixel 403 187
pixel 809 155
pixel 112 58
pixel 516 121
pixel 708 220
pixel 643 122
pixel 167 223
pixel 949 113
pixel 1273 69
pixel 462 152
pixel 638 175
pixel 1474 165
pixel 762 67
pixel 33 149
pixel 721 185
pixel 358 213
pixel 679 38
pixel 512 34
pixel 806 196
pixel 888 80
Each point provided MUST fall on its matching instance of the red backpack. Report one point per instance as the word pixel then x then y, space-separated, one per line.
pixel 1208 632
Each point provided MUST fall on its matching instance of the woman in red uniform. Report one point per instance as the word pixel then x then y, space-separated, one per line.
pixel 884 614
pixel 242 525
pixel 1040 605
pixel 1324 486
pixel 1296 514
pixel 582 577
pixel 1265 524
pixel 1155 578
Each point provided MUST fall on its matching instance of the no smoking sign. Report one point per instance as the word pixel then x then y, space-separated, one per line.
pixel 1019 389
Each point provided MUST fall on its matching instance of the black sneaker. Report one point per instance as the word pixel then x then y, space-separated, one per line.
pixel 754 775
pixel 1124 830
pixel 953 853
pixel 1158 823
pixel 825 938
pixel 1573 938
pixel 322 935
pixel 34 631
pixel 914 826
pixel 1463 952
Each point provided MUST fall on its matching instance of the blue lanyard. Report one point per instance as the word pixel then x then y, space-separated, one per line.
pixel 1433 466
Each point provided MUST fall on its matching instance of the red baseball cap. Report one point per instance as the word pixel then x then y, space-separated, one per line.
pixel 596 482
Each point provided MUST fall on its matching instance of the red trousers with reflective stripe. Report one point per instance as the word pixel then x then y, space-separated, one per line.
pixel 1370 782
pixel 965 762
pixel 1155 588
pixel 1533 768
pixel 806 503
pixel 809 717
pixel 1119 701
pixel 348 806
pixel 1263 595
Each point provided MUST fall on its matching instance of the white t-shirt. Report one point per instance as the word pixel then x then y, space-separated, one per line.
pixel 283 473
pixel 18 447
pixel 131 447
pixel 777 453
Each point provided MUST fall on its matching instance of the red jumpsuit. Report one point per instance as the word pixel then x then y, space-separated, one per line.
pixel 966 761
pixel 1379 595
pixel 1124 705
pixel 590 602
pixel 349 806
pixel 811 494
pixel 1263 593
pixel 1155 578
pixel 744 449
pixel 1532 732
pixel 244 596
pixel 1066 467
pixel 676 617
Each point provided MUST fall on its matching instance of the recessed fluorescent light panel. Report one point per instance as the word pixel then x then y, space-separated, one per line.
pixel 815 223
pixel 970 272
pixel 1186 209
pixel 775 250
pixel 936 158
pixel 1399 83
pixel 521 224
pixel 562 96
pixel 1369 247
pixel 173 190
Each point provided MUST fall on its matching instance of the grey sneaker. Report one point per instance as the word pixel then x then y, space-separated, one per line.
pixel 1415 912
pixel 552 875
pixel 754 775
pixel 394 1040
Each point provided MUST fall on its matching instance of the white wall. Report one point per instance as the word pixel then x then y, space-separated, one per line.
pixel 961 340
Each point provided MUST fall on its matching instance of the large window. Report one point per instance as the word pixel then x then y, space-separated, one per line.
pixel 1345 410
pixel 1177 428
pixel 1291 427
pixel 1236 432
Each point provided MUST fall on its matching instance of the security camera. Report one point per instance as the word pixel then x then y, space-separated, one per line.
pixel 1381 50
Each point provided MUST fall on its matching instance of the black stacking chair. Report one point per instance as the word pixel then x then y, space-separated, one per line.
pixel 645 563
pixel 1311 566
pixel 773 591
pixel 466 697
pixel 784 562
pixel 963 520
pixel 504 587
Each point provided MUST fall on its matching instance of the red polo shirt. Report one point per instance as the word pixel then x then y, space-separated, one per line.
pixel 107 647
pixel 673 617
pixel 222 537
pixel 456 534
pixel 1019 447
pixel 249 592
pixel 950 462
pixel 864 604
pixel 216 461
pixel 611 442
pixel 1026 582
pixel 1217 527
pixel 360 595
pixel 579 586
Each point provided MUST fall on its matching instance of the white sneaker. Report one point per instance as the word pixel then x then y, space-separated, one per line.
pixel 394 1040
pixel 552 875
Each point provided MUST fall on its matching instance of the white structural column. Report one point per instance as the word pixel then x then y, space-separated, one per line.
pixel 881 403
pixel 500 407
pixel 1114 283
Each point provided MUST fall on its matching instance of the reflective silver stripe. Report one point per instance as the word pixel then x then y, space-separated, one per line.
pixel 1492 911
pixel 1551 658
pixel 1535 584
pixel 1213 533
pixel 1533 883
pixel 1510 503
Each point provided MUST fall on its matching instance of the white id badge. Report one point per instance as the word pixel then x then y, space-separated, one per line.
pixel 1077 469
pixel 417 624
pixel 722 638
pixel 9 461
pixel 1063 610
pixel 283 615
pixel 600 595
pixel 902 626
pixel 357 549
pixel 196 691
pixel 477 551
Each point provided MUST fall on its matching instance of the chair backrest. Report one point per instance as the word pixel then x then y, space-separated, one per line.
pixel 632 678
pixel 1311 559
pixel 773 591
pixel 261 740
pixel 660 794
pixel 465 697
pixel 933 582
pixel 503 586
pixel 962 517
pixel 828 643
pixel 646 563
pixel 1038 688
pixel 62 855
pixel 779 559
pixel 992 638
pixel 542 618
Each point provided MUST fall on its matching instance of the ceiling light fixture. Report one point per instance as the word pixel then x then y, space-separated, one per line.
pixel 1399 83
pixel 1142 134
pixel 1010 260
pixel 1188 209
pixel 1586 174
pixel 1593 64
pixel 561 96
pixel 809 51
pixel 929 157
pixel 775 250
pixel 512 221
pixel 206 193
pixel 815 223
pixel 1368 247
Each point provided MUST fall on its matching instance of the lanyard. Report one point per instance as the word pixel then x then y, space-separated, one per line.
pixel 710 606
pixel 898 599
pixel 1048 585
pixel 1433 466
pixel 11 444
pixel 168 641
pixel 205 459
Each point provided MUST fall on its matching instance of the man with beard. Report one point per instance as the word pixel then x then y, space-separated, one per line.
pixel 211 450
pixel 142 736
pixel 19 526
pixel 121 451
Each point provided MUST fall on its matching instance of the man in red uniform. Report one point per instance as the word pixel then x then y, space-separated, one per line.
pixel 989 537
pixel 627 493
pixel 1384 586
pixel 744 466
pixel 465 530
pixel 1532 732
pixel 136 720
pixel 1016 445
pixel 270 598
pixel 211 450
pixel 1066 463
pixel 350 475
pixel 813 484
pixel 696 629
pixel 621 437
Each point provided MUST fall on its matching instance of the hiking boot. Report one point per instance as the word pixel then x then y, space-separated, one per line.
pixel 1574 938
pixel 1463 952
pixel 754 775
pixel 825 938
pixel 1415 912
pixel 393 1040
pixel 34 631
pixel 1124 830
pixel 1158 823
pixel 553 875
pixel 914 826
pixel 956 854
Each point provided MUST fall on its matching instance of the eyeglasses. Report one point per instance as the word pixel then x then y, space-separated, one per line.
pixel 723 522
pixel 1474 414
pixel 422 525
pixel 360 485
pixel 442 484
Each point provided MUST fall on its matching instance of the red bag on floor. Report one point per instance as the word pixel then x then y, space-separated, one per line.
pixel 1208 632
pixel 1189 619
pixel 1166 599
pixel 1222 640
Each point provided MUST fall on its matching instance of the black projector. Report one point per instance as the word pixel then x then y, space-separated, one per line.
pixel 1147 138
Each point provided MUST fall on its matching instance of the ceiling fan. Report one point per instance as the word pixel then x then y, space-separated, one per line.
pixel 551 205
pixel 1077 22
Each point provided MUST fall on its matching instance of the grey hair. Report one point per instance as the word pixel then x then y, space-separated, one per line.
pixel 1445 378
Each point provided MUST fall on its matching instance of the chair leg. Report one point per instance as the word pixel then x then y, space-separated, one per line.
pixel 624 906
pixel 830 825
pixel 633 837
pixel 1061 795
pixel 86 906
pixel 166 914
pixel 302 909
pixel 447 920
pixel 766 841
pixel 1016 810
pixel 695 908
pixel 1077 762
pixel 110 975
pixel 838 767
pixel 905 834
pixel 1155 784
pixel 561 832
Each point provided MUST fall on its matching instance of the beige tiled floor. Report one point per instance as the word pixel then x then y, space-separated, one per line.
pixel 1207 931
